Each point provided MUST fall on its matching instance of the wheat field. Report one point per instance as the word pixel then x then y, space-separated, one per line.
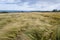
pixel 30 26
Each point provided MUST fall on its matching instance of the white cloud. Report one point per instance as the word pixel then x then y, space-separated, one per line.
pixel 40 5
pixel 45 6
pixel 15 7
pixel 9 1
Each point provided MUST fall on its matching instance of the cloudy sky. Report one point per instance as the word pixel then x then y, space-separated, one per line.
pixel 29 5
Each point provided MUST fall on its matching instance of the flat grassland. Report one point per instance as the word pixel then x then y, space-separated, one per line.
pixel 30 26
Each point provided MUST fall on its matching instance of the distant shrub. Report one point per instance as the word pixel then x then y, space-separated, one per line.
pixel 54 10
pixel 3 12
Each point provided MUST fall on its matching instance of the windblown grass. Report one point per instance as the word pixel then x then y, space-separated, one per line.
pixel 30 26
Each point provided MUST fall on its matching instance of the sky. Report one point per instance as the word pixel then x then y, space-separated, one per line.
pixel 29 5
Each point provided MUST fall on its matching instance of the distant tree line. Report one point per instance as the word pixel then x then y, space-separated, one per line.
pixel 55 10
pixel 4 12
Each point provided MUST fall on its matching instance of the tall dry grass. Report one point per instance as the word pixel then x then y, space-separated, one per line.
pixel 29 26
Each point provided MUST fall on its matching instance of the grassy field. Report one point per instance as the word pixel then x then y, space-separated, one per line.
pixel 30 26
